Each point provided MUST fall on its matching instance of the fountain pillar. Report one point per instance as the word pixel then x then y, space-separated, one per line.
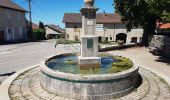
pixel 89 39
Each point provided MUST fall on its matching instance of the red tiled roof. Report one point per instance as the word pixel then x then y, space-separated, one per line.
pixel 11 5
pixel 35 26
pixel 165 26
pixel 101 18
pixel 56 28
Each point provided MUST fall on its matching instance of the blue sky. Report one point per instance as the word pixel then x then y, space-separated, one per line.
pixel 52 11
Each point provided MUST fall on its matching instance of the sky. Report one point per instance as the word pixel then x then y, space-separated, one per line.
pixel 52 11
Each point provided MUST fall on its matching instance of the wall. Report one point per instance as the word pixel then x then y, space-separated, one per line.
pixel 160 45
pixel 109 30
pixel 16 21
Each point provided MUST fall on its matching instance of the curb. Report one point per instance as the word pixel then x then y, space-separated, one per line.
pixel 7 82
pixel 158 73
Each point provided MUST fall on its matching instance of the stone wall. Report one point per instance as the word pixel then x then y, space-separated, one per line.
pixel 88 87
pixel 160 45
pixel 15 21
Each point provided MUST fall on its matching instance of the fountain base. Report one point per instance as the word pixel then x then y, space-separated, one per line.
pixel 89 62
pixel 88 86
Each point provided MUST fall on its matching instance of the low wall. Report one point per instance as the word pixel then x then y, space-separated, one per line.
pixel 88 87
pixel 160 45
pixel 119 47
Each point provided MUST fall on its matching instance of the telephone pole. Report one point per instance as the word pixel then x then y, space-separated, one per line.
pixel 30 19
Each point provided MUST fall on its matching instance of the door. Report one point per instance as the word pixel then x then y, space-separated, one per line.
pixel 121 37
pixel 99 39
pixel 8 34
pixel 1 36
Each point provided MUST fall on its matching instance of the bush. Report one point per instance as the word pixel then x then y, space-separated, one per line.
pixel 62 35
pixel 39 34
pixel 120 42
pixel 63 41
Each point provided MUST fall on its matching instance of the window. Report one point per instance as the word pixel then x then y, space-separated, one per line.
pixel 134 40
pixel 8 14
pixel 110 38
pixel 107 39
pixel 20 31
pixel 76 29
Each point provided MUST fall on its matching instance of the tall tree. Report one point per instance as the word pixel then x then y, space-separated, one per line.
pixel 143 13
pixel 41 25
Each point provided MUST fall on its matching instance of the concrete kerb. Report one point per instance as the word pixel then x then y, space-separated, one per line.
pixel 6 83
pixel 159 73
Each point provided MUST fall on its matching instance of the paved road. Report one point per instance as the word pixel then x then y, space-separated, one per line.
pixel 14 57
pixel 142 58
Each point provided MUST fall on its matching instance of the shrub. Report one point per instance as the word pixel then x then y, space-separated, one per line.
pixel 62 35
pixel 39 34
pixel 120 42
pixel 63 41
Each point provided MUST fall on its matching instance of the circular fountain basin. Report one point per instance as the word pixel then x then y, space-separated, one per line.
pixel 96 86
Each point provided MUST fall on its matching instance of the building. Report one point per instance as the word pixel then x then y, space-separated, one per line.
pixel 53 31
pixel 35 26
pixel 162 29
pixel 109 27
pixel 12 21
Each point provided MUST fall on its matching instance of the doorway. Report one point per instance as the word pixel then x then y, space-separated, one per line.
pixel 134 40
pixel 1 36
pixel 121 37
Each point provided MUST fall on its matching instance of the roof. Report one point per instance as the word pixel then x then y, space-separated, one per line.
pixel 100 18
pixel 55 28
pixel 11 5
pixel 35 26
pixel 165 26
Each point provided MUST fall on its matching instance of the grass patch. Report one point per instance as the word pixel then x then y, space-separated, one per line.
pixel 122 64
pixel 162 80
pixel 63 41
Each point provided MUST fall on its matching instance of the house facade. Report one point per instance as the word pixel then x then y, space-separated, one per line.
pixel 109 27
pixel 53 31
pixel 12 21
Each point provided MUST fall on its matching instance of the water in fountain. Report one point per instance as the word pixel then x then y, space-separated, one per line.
pixel 69 64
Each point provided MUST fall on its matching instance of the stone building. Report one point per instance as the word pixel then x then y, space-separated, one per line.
pixel 109 27
pixel 12 22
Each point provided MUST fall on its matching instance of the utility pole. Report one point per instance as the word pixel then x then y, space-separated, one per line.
pixel 30 19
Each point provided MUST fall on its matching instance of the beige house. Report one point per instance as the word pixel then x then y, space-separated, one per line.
pixel 53 31
pixel 108 28
pixel 12 21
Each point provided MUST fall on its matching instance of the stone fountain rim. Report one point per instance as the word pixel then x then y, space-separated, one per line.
pixel 81 78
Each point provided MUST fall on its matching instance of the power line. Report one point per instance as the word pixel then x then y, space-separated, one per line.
pixel 44 11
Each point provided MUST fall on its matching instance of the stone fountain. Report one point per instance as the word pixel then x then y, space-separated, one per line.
pixel 89 39
pixel 63 74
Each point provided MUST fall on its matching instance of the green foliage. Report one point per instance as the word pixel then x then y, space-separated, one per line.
pixel 120 42
pixel 39 34
pixel 160 8
pixel 62 35
pixel 41 25
pixel 144 13
pixel 122 64
pixel 64 41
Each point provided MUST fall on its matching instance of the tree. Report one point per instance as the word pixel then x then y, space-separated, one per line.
pixel 143 13
pixel 41 25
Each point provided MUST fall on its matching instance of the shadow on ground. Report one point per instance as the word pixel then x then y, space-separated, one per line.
pixel 163 60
